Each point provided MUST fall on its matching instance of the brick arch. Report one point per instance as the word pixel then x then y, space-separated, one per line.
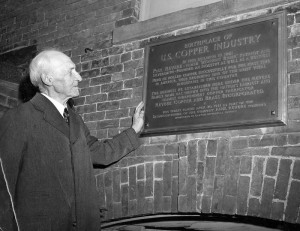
pixel 205 176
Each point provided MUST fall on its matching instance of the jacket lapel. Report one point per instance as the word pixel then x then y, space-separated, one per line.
pixel 74 126
pixel 51 114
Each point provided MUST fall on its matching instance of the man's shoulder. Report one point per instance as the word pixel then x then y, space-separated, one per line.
pixel 23 110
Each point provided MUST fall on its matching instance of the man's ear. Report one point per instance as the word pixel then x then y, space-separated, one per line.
pixel 47 79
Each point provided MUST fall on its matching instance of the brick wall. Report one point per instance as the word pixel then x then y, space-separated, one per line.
pixel 254 172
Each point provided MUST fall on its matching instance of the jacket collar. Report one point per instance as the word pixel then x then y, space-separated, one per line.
pixel 53 117
pixel 51 114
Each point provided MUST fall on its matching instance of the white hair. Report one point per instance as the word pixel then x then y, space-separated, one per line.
pixel 40 65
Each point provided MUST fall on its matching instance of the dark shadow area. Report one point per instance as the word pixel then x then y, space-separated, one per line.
pixel 26 89
pixel 199 222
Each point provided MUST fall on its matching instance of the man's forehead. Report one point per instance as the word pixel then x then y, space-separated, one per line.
pixel 60 58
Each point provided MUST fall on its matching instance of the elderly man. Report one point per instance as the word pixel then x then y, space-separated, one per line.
pixel 47 154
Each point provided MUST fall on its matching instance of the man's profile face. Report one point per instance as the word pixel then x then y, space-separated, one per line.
pixel 66 78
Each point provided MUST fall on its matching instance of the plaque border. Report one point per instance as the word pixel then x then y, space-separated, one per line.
pixel 281 116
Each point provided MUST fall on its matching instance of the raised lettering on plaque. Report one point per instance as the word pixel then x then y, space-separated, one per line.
pixel 225 78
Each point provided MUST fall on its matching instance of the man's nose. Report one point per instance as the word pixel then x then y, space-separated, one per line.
pixel 78 76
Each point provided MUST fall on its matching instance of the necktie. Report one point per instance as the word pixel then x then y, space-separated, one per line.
pixel 66 115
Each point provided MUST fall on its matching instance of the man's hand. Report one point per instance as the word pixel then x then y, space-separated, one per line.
pixel 138 118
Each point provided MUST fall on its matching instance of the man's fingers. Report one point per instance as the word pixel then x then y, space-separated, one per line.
pixel 139 107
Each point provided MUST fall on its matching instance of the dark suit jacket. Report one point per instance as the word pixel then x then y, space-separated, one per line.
pixel 48 167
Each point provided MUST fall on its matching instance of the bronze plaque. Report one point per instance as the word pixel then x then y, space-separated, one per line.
pixel 225 78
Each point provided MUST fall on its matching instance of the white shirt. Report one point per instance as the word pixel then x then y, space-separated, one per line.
pixel 57 104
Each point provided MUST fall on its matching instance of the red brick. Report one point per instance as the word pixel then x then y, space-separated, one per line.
pixel 140 172
pixel 100 63
pixel 191 194
pixel 271 168
pixel 294 78
pixel 149 206
pixel 116 186
pixel 140 194
pixel 239 143
pixel 251 152
pixel 212 147
pixel 111 105
pixel 280 140
pixel 267 196
pixel 246 165
pixel 79 101
pixel 293 203
pixel 294 138
pixel 132 183
pixel 172 148
pixel 108 124
pixel 133 64
pixel 126 57
pixel 167 178
pixel 200 174
pixel 115 86
pixel 108 179
pixel 101 134
pixel 254 206
pixel 296 170
pixel 137 54
pixel 117 210
pixel 182 176
pixel 257 177
pixel 229 204
pixel 182 203
pixel 222 156
pixel 158 170
pixel 174 197
pixel 167 204
pixel 277 210
pixel 126 21
pixel 132 83
pixel 86 108
pixel 139 72
pixel 124 199
pixel 124 175
pixel 96 98
pixel 205 204
pixel 95 116
pixel 209 174
pixel 201 150
pixel 123 75
pixel 158 196
pixel 90 74
pixel 242 194
pixel 114 59
pixel 125 122
pixel 116 114
pixel 111 69
pixel 282 179
pixel 89 91
pixel 265 140
pixel 109 203
pixel 231 176
pixel 192 157
pixel 149 180
pixel 154 150
pixel 100 188
pixel 292 151
pixel 116 50
pixel 217 199
pixel 122 94
pixel 182 151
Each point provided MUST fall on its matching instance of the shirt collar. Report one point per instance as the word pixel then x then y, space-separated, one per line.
pixel 57 104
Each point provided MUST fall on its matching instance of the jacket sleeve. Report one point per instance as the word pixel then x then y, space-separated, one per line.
pixel 11 146
pixel 111 150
